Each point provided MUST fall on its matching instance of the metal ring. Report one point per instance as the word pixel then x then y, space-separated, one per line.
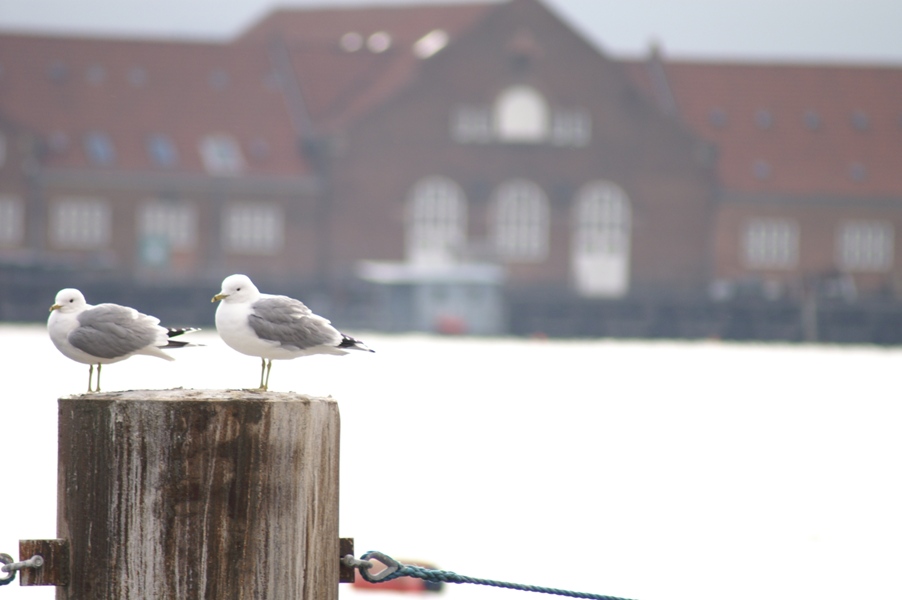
pixel 391 567
pixel 6 559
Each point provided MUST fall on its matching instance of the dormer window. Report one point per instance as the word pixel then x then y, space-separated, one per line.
pixel 717 117
pixel 161 150
pixel 521 116
pixel 221 155
pixel 860 120
pixel 137 77
pixel 95 74
pixel 351 41
pixel 812 120
pixel 99 148
pixel 431 43
pixel 379 42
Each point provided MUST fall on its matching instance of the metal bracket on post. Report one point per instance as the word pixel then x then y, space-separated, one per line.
pixel 346 573
pixel 54 562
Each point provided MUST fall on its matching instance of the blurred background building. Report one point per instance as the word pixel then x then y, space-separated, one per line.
pixel 475 168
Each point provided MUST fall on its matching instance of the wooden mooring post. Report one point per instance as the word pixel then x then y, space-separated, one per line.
pixel 197 494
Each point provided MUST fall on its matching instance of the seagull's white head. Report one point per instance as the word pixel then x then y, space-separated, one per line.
pixel 68 300
pixel 237 288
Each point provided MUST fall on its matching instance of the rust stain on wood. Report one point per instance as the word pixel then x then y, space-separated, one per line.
pixel 199 494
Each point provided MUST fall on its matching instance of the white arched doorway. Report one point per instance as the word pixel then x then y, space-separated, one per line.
pixel 600 254
pixel 436 221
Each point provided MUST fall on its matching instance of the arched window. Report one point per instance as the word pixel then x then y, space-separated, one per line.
pixel 436 227
pixel 520 224
pixel 601 240
pixel 521 115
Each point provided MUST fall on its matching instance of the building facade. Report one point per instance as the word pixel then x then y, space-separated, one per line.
pixel 618 197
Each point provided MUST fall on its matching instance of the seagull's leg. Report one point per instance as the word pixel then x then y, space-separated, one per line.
pixel 262 371
pixel 98 378
pixel 90 377
pixel 268 369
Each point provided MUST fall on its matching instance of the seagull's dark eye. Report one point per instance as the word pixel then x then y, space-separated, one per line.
pixel 237 289
pixel 71 299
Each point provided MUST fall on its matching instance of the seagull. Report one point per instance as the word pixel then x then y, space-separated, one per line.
pixel 274 327
pixel 106 333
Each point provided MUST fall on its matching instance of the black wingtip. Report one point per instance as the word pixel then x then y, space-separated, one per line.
pixel 350 343
pixel 177 331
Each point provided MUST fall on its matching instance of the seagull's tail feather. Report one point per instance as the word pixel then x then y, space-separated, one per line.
pixel 177 331
pixel 349 343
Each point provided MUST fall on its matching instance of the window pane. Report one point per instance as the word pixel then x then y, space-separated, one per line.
pixel 865 246
pixel 602 220
pixel 253 228
pixel 571 128
pixel 161 150
pixel 221 155
pixel 521 115
pixel 771 244
pixel 521 221
pixel 12 220
pixel 80 223
pixel 99 148
pixel 173 223
pixel 436 221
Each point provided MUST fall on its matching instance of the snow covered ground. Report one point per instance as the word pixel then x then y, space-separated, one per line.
pixel 648 470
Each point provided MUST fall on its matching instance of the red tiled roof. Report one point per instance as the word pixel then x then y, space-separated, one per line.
pixel 406 24
pixel 339 84
pixel 793 129
pixel 63 88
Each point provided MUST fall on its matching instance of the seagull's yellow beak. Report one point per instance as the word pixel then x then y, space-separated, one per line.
pixel 54 307
pixel 219 297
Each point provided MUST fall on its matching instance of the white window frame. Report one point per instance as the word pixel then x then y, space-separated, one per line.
pixel 80 223
pixel 770 243
pixel 865 246
pixel 12 220
pixel 222 155
pixel 571 127
pixel 254 228
pixel 520 221
pixel 601 240
pixel 521 115
pixel 174 223
pixel 436 221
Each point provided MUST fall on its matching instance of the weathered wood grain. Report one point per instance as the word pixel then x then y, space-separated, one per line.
pixel 182 494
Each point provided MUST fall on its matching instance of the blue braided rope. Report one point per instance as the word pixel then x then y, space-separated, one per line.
pixel 435 575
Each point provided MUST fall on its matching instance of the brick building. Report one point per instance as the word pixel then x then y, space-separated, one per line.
pixel 619 197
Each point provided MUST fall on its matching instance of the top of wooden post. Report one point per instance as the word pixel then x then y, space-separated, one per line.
pixel 191 395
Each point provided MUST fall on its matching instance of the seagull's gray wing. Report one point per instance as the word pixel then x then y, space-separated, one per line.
pixel 112 331
pixel 290 323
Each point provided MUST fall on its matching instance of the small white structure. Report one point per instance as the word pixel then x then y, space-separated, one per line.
pixel 452 299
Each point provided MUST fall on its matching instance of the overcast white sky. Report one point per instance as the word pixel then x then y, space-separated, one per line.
pixel 794 30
